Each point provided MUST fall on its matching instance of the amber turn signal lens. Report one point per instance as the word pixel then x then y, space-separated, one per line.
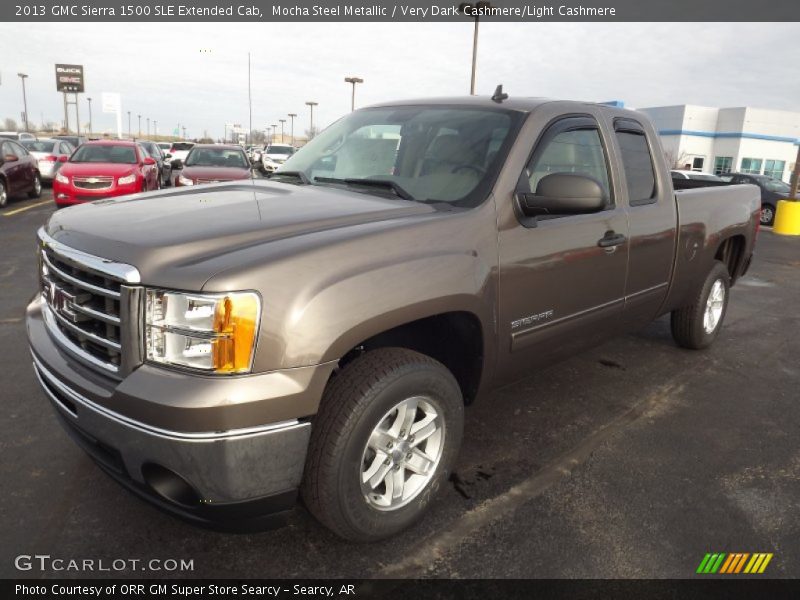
pixel 236 325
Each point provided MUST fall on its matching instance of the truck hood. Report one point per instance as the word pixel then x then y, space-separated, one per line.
pixel 179 238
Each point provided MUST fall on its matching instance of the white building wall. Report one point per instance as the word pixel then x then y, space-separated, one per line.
pixel 739 133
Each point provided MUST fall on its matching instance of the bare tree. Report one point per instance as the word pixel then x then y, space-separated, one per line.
pixel 675 159
pixel 10 124
pixel 311 133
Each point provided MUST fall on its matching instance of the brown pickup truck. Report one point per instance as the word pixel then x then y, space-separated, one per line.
pixel 220 348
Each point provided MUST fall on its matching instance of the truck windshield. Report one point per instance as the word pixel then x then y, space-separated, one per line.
pixel 423 153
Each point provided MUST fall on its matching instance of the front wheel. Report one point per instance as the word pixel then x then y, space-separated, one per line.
pixel 383 443
pixel 36 190
pixel 3 194
pixel 696 326
pixel 767 217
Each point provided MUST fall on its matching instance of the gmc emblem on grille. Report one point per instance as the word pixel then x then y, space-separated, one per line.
pixel 62 302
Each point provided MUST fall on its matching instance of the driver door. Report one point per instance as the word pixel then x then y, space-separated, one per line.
pixel 562 285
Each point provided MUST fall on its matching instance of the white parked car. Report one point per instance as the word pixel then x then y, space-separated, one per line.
pixel 274 155
pixel 179 150
pixel 50 153
pixel 17 135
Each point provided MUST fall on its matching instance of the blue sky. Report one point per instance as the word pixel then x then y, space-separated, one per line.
pixel 161 73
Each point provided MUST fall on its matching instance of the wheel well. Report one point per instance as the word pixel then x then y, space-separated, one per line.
pixel 455 339
pixel 731 253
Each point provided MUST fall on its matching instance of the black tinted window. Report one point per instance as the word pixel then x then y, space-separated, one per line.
pixel 638 165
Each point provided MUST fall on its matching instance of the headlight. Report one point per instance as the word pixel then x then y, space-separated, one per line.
pixel 185 180
pixel 62 178
pixel 127 179
pixel 209 332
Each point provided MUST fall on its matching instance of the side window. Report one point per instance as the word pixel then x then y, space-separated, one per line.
pixel 9 149
pixel 578 151
pixel 17 149
pixel 638 166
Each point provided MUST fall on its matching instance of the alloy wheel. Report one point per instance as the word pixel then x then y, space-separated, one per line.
pixel 714 305
pixel 402 454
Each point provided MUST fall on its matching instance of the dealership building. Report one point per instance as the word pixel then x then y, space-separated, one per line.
pixel 722 140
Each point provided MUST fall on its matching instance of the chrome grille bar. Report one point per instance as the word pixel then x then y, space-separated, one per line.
pixel 79 282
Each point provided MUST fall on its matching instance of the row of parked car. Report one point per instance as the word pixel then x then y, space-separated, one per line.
pixel 83 171
pixel 270 157
pixel 772 190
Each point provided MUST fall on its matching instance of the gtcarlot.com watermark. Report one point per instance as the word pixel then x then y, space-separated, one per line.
pixel 46 562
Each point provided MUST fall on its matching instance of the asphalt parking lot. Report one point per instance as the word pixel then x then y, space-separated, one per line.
pixel 632 460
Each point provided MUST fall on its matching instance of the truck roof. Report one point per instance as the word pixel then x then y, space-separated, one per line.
pixel 519 103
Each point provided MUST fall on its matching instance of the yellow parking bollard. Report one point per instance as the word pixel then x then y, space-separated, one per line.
pixel 787 218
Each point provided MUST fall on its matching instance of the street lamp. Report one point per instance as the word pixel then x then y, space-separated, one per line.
pixel 311 105
pixel 129 123
pixel 354 81
pixel 474 10
pixel 155 128
pixel 282 121
pixel 274 131
pixel 148 126
pixel 23 77
pixel 184 132
pixel 89 100
pixel 292 116
pixel 140 125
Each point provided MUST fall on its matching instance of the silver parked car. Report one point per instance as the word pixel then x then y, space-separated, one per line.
pixel 50 153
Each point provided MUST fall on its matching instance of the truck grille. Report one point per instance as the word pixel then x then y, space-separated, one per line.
pixel 85 304
pixel 92 183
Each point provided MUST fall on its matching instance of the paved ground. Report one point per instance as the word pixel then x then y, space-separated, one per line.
pixel 632 460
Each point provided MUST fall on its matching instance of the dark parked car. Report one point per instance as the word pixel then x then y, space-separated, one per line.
pixel 772 190
pixel 19 172
pixel 212 163
pixel 157 154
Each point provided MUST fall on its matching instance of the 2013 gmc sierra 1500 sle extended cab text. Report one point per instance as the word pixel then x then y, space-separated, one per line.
pixel 221 348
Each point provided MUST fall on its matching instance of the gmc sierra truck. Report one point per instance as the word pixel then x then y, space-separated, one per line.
pixel 223 348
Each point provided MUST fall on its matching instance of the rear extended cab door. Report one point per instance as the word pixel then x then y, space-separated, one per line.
pixel 646 191
pixel 559 289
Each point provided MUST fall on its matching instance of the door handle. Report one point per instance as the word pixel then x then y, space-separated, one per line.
pixel 611 239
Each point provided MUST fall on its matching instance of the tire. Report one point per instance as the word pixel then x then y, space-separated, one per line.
pixel 3 194
pixel 363 397
pixel 691 326
pixel 767 216
pixel 36 192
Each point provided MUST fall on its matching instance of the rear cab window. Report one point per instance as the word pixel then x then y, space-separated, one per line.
pixel 637 162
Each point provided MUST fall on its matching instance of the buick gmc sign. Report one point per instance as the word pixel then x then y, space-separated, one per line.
pixel 69 78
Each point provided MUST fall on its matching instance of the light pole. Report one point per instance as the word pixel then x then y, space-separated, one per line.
pixel 474 10
pixel 129 123
pixel 184 132
pixel 155 128
pixel 89 100
pixel 274 131
pixel 354 81
pixel 282 121
pixel 23 77
pixel 292 116
pixel 311 105
pixel 148 126
pixel 140 125
pixel 249 101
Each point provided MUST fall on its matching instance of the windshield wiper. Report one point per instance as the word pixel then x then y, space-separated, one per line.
pixel 296 174
pixel 388 184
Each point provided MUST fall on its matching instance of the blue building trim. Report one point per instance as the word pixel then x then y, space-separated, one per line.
pixel 731 134
pixel 614 103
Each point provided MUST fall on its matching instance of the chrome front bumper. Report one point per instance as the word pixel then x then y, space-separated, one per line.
pixel 195 472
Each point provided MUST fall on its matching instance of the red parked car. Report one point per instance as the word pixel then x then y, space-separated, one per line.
pixel 103 169
pixel 19 172
pixel 211 163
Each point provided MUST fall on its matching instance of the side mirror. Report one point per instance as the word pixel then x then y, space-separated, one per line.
pixel 168 155
pixel 10 158
pixel 564 194
pixel 63 158
pixel 149 160
pixel 177 163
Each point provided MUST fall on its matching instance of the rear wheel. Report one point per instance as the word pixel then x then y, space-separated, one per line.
pixel 3 194
pixel 36 191
pixel 696 326
pixel 385 438
pixel 767 214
